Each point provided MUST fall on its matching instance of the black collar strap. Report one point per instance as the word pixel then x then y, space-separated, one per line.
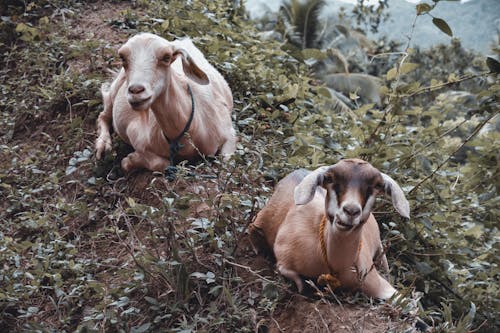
pixel 175 145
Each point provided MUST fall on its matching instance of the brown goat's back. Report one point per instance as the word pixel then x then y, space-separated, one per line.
pixel 265 227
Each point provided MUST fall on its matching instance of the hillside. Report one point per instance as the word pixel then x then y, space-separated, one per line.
pixel 87 248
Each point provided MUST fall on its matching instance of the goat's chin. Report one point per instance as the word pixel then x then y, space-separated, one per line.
pixel 345 225
pixel 140 105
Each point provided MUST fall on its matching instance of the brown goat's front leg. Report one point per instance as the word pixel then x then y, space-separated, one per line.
pixel 144 160
pixel 375 285
pixel 292 275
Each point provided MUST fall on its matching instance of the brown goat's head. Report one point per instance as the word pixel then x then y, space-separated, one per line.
pixel 147 60
pixel 351 186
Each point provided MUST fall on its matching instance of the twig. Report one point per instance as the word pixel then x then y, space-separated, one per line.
pixel 444 84
pixel 379 55
pixel 472 135
pixel 322 319
pixel 384 117
pixel 277 325
pixel 412 156
pixel 250 270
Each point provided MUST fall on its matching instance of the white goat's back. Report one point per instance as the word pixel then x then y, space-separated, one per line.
pixel 195 54
pixel 216 79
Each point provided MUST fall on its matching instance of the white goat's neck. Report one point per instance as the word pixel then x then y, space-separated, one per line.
pixel 173 107
pixel 342 248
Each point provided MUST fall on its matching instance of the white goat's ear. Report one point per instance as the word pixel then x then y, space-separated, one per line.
pixel 304 191
pixel 190 68
pixel 397 195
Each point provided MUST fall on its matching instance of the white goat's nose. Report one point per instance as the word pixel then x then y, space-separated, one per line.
pixel 352 210
pixel 136 88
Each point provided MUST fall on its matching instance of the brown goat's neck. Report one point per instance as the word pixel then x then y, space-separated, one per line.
pixel 340 252
pixel 172 108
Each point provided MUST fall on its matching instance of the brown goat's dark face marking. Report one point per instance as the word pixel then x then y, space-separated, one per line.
pixel 351 189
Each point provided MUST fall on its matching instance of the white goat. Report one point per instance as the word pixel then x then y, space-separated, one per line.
pixel 320 222
pixel 163 91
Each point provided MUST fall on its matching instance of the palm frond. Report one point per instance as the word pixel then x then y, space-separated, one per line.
pixel 302 19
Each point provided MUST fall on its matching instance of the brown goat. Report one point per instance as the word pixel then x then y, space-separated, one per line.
pixel 320 223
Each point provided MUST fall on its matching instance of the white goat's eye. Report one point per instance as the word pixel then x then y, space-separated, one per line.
pixel 124 60
pixel 166 58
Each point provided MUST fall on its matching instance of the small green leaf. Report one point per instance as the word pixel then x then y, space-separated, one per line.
pixel 314 54
pixel 423 8
pixel 353 96
pixel 493 65
pixel 424 268
pixel 443 26
pixel 151 300
pixel 407 67
pixel 391 74
pixel 270 291
pixel 322 91
pixel 33 309
pixel 476 231
pixel 141 329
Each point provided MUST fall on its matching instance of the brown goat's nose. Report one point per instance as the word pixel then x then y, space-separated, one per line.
pixel 135 88
pixel 352 210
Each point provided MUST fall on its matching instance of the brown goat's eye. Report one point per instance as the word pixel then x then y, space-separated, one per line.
pixel 327 179
pixel 379 187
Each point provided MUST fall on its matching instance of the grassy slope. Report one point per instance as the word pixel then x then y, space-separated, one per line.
pixel 139 252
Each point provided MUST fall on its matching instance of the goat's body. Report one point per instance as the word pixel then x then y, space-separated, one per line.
pixel 210 132
pixel 268 221
pixel 293 233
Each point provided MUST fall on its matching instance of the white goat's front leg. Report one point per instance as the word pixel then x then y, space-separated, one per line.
pixel 144 160
pixel 292 275
pixel 103 142
pixel 375 285
pixel 228 148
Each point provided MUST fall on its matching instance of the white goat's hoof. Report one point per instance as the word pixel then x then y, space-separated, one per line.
pixel 101 147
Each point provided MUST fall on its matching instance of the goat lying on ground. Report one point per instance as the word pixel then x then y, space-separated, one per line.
pixel 164 91
pixel 320 222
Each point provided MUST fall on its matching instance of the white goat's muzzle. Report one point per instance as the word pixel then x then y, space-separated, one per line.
pixel 139 97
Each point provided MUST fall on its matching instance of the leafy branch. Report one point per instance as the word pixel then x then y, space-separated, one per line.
pixel 444 84
pixel 470 137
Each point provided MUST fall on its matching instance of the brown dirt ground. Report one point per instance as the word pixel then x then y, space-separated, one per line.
pixel 298 313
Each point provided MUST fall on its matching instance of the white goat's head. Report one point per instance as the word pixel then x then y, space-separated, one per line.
pixel 147 60
pixel 351 186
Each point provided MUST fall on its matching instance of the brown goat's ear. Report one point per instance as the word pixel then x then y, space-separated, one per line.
pixel 304 191
pixel 397 195
pixel 190 68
